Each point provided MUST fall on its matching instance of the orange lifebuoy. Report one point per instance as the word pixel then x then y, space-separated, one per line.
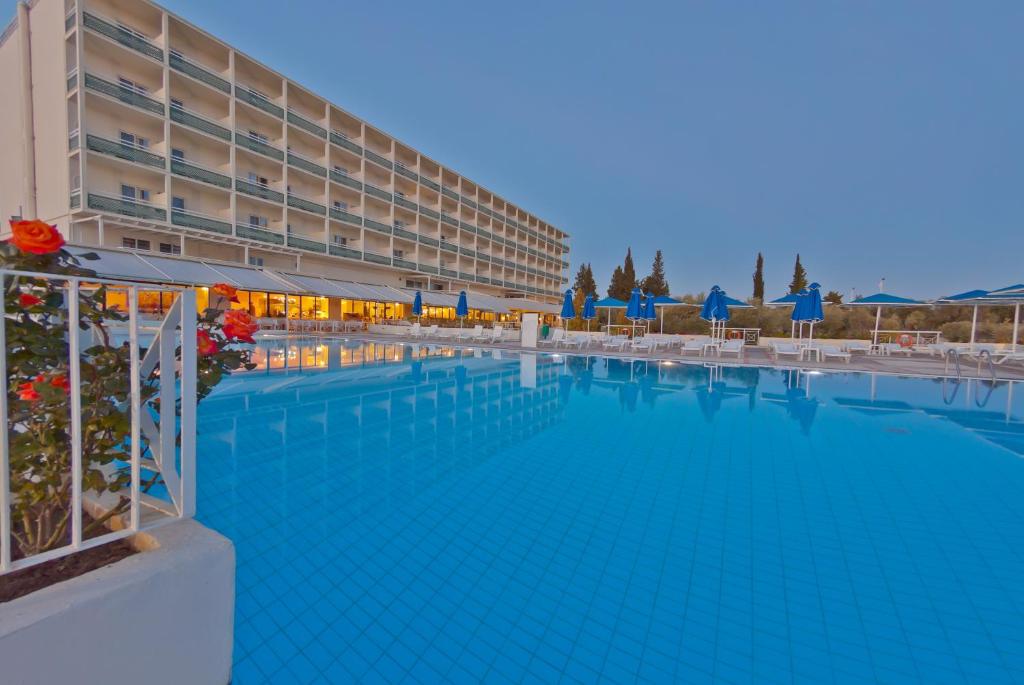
pixel 735 335
pixel 905 340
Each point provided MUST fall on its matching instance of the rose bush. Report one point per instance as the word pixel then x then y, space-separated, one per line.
pixel 39 389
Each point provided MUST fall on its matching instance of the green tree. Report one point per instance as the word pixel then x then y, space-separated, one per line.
pixel 585 282
pixel 655 284
pixel 799 281
pixel 833 297
pixel 623 279
pixel 629 272
pixel 759 278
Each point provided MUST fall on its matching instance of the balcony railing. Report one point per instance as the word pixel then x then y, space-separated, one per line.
pixel 377 192
pixel 467 227
pixel 427 211
pixel 430 184
pixel 76 200
pixel 427 268
pixel 131 153
pixel 377 159
pixel 179 62
pixel 302 203
pixel 297 160
pixel 465 276
pixel 260 233
pixel 404 233
pixel 448 272
pixel 126 207
pixel 345 180
pixel 406 171
pixel 306 244
pixel 199 173
pixel 449 247
pixel 253 143
pixel 466 201
pixel 203 222
pixel 450 220
pixel 341 140
pixel 347 217
pixel 258 190
pixel 258 100
pixel 125 94
pixel 448 192
pixel 403 263
pixel 305 124
pixel 72 80
pixel 343 251
pixel 121 35
pixel 427 240
pixel 192 120
pixel 377 226
pixel 376 258
pixel 402 202
pixel 74 139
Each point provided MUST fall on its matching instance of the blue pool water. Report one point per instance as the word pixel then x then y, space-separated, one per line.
pixel 415 514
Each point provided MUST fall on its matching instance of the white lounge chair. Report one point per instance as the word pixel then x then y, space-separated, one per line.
pixel 731 347
pixel 696 346
pixel 556 337
pixel 416 331
pixel 785 350
pixel 616 342
pixel 470 333
pixel 643 344
pixel 858 346
pixel 833 352
pixel 577 341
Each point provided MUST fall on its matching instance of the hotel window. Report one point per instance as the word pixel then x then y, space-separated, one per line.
pixel 135 243
pixel 132 85
pixel 340 205
pixel 257 179
pixel 258 137
pixel 339 240
pixel 178 203
pixel 341 170
pixel 132 140
pixel 255 261
pixel 398 254
pixel 133 193
pixel 170 248
pixel 177 153
pixel 399 224
pixel 257 221
pixel 177 104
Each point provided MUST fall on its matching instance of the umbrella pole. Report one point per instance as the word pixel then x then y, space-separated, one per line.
pixel 974 325
pixel 1016 327
pixel 662 329
pixel 878 322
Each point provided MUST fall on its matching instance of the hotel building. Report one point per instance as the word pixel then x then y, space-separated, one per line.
pixel 134 130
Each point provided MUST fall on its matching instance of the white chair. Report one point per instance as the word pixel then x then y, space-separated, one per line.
pixel 643 344
pixel 497 333
pixel 470 333
pixel 577 341
pixel 833 352
pixel 696 346
pixel 786 350
pixel 731 347
pixel 858 346
pixel 556 337
pixel 616 342
pixel 416 331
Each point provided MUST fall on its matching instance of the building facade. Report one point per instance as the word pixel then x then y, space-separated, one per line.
pixel 132 129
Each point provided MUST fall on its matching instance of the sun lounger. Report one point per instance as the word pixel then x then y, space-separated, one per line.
pixel 864 347
pixel 643 345
pixel 731 347
pixel 556 337
pixel 616 342
pixel 785 350
pixel 577 341
pixel 833 352
pixel 696 346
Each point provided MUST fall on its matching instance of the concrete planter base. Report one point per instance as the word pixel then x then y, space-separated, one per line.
pixel 165 615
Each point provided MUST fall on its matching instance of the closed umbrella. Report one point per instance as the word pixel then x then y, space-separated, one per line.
pixel 635 307
pixel 715 310
pixel 568 309
pixel 589 311
pixel 797 316
pixel 417 305
pixel 650 313
pixel 462 308
pixel 813 311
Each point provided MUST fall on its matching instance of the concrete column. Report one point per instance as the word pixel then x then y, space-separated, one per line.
pixel 28 209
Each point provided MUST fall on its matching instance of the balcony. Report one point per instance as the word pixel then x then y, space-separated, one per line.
pixel 306 125
pixel 127 95
pixel 448 192
pixel 403 263
pixel 427 268
pixel 427 240
pixel 180 167
pixel 466 276
pixel 342 251
pixel 258 190
pixel 179 62
pixel 203 222
pixel 258 100
pixel 341 140
pixel 377 192
pixel 301 162
pixel 377 159
pixel 377 226
pixel 345 180
pixel 126 207
pixel 199 123
pixel 347 217
pixel 449 247
pixel 450 220
pixel 306 244
pixel 466 201
pixel 302 203
pixel 402 202
pixel 426 211
pixel 376 258
pixel 131 153
pixel 243 139
pixel 259 233
pixel 406 171
pixel 430 184
pixel 123 35
pixel 470 228
pixel 448 272
pixel 404 233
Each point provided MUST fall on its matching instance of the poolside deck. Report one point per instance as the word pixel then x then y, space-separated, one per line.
pixel 915 365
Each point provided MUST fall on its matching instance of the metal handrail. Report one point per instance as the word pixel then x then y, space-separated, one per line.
pixel 951 352
pixel 991 367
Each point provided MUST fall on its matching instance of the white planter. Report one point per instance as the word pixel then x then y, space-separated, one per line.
pixel 165 615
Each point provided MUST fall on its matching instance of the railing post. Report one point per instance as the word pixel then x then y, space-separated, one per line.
pixel 75 379
pixel 5 465
pixel 136 404
pixel 188 403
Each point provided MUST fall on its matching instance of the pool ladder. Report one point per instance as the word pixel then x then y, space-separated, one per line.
pixel 984 354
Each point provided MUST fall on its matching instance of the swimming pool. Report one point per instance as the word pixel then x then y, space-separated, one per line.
pixel 412 513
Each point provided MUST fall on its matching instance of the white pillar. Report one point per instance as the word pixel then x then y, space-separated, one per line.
pixel 1016 327
pixel 974 325
pixel 878 322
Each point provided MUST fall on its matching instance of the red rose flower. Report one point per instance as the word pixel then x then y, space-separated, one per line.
pixel 239 325
pixel 35 236
pixel 27 300
pixel 27 392
pixel 61 382
pixel 225 290
pixel 205 344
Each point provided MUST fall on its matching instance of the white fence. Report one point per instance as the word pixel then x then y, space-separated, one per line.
pixel 154 446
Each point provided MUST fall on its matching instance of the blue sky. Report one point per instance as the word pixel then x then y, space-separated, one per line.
pixel 875 138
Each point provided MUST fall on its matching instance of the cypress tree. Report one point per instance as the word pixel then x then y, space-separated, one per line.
pixel 759 278
pixel 618 287
pixel 799 281
pixel 655 284
pixel 628 273
pixel 589 285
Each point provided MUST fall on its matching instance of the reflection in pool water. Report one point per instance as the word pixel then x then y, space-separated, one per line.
pixel 417 512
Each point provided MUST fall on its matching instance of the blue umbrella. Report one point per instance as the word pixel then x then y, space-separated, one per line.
pixel 462 307
pixel 649 311
pixel 568 308
pixel 589 310
pixel 634 308
pixel 417 305
pixel 715 309
pixel 813 310
pixel 879 300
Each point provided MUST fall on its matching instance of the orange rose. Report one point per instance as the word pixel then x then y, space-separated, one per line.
pixel 238 325
pixel 225 290
pixel 205 344
pixel 27 300
pixel 61 382
pixel 27 392
pixel 35 236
